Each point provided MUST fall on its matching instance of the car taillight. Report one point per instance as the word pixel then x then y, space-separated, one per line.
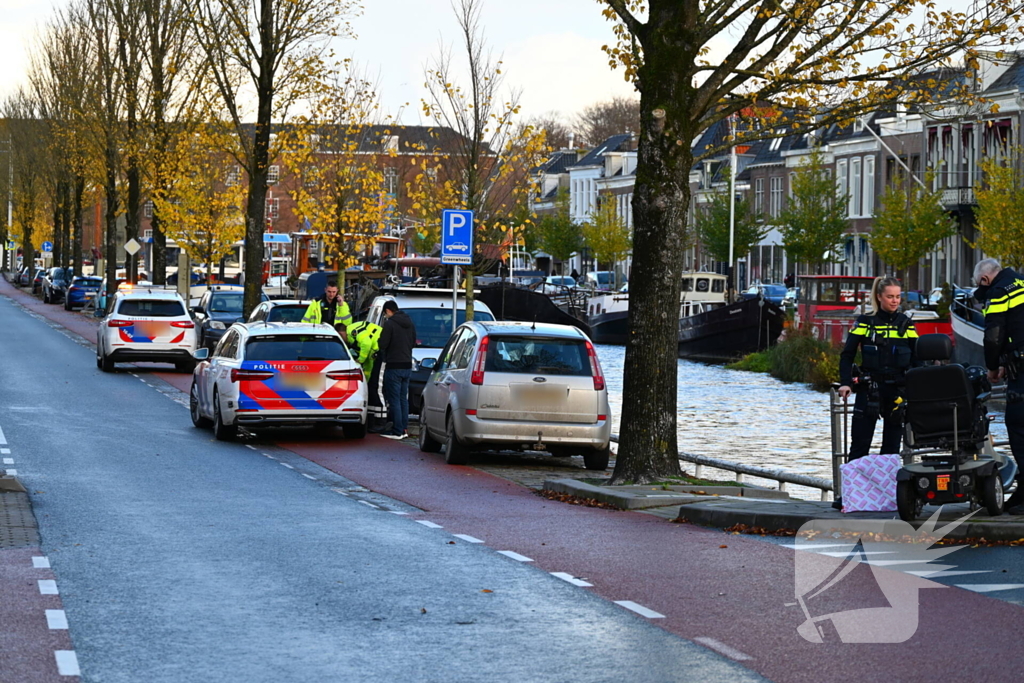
pixel 595 368
pixel 250 375
pixel 184 324
pixel 353 375
pixel 72 288
pixel 478 368
pixel 119 323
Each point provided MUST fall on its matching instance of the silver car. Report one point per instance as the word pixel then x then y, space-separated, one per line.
pixel 513 385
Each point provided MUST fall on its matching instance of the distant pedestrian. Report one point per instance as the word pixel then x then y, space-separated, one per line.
pixel 329 309
pixel 364 337
pixel 789 281
pixel 397 340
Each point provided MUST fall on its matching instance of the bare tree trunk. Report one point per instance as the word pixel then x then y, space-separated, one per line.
pixel 76 222
pixel 110 251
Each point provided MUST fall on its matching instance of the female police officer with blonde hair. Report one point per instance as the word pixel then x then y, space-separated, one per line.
pixel 887 340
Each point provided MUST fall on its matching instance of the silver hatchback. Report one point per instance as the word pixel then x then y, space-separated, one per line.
pixel 512 385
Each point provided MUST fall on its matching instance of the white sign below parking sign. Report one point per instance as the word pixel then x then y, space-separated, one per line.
pixel 457 237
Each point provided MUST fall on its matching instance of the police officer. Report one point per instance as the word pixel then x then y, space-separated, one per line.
pixel 1002 291
pixel 330 309
pixel 887 341
pixel 363 337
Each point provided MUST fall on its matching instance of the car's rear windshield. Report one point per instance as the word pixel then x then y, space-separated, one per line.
pixel 226 303
pixel 151 308
pixel 434 325
pixel 87 282
pixel 535 356
pixel 294 347
pixel 286 314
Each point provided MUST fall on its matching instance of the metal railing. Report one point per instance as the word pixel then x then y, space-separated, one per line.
pixel 782 477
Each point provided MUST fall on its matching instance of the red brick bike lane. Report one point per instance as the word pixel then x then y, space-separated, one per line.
pixel 738 598
pixel 712 587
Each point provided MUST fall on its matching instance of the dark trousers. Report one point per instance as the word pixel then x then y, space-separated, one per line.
pixel 396 391
pixel 1015 424
pixel 862 431
pixel 377 408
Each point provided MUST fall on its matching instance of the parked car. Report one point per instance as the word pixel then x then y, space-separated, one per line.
pixel 82 290
pixel 55 281
pixel 431 313
pixel 279 311
pixel 601 280
pixel 278 374
pixel 774 293
pixel 516 385
pixel 556 284
pixel 144 325
pixel 37 280
pixel 218 308
pixel 24 276
pixel 792 297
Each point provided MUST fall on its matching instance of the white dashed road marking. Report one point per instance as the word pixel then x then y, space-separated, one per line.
pixel 396 512
pixel 248 445
pixel 56 620
pixel 722 648
pixel 572 579
pixel 368 504
pixel 429 525
pixel 309 476
pixel 39 562
pixel 284 464
pixel 8 461
pixel 3 439
pixel 467 538
pixel 67 663
pixel 5 451
pixel 12 473
pixel 639 609
pixel 48 587
pixel 515 556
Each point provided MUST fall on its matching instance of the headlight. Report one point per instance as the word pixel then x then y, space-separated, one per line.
pixel 217 325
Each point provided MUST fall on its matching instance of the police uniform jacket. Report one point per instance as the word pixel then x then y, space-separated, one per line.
pixel 891 334
pixel 364 336
pixel 319 311
pixel 1004 315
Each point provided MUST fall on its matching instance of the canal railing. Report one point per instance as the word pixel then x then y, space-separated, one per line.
pixel 782 477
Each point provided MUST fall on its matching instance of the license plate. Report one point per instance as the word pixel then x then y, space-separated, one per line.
pixel 942 482
pixel 540 394
pixel 306 382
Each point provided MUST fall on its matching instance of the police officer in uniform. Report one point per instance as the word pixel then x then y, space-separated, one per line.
pixel 1002 291
pixel 363 337
pixel 887 341
pixel 330 309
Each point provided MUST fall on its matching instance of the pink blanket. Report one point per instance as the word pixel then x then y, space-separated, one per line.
pixel 869 483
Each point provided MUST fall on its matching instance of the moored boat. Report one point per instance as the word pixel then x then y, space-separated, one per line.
pixel 730 331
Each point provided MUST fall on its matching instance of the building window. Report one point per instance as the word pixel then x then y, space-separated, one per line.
pixel 841 174
pixel 391 181
pixel 868 202
pixel 273 174
pixel 759 196
pixel 855 187
pixel 273 208
pixel 776 196
pixel 234 176
pixel 147 208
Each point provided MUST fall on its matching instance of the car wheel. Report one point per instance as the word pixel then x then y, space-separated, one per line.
pixel 455 453
pixel 193 408
pixel 46 296
pixel 67 304
pixel 354 431
pixel 221 431
pixel 106 365
pixel 597 460
pixel 428 444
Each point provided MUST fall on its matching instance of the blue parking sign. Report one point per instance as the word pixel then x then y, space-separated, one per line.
pixel 457 237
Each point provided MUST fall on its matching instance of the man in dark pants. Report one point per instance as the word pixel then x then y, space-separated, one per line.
pixel 397 340
pixel 1002 290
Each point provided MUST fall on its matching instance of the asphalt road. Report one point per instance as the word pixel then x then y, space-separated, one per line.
pixel 179 558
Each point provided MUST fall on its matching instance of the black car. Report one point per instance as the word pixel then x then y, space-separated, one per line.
pixel 218 308
pixel 54 283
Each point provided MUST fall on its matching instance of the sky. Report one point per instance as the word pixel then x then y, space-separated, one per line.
pixel 551 49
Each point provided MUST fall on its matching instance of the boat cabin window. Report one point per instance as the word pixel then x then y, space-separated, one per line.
pixel 703 284
pixel 687 284
pixel 829 292
pixel 718 286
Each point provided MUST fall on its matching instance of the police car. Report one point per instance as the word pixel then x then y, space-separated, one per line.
pixel 278 374
pixel 146 325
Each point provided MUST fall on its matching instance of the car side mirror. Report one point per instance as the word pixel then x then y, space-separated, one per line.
pixel 428 363
pixel 197 309
pixel 201 354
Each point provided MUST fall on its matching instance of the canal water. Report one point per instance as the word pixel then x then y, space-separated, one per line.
pixel 746 417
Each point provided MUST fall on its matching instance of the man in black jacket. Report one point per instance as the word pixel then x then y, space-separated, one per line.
pixel 397 341
pixel 1002 290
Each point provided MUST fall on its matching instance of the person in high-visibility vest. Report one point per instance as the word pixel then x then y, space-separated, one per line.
pixel 1002 291
pixel 362 338
pixel 330 309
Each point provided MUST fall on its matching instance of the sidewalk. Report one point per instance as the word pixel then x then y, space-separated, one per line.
pixel 769 511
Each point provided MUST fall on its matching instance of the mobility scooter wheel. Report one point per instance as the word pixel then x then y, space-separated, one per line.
pixel 992 495
pixel 907 503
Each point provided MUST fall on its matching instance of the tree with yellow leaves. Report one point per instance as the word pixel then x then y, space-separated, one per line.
pixel 204 207
pixel 338 154
pixel 607 236
pixel 26 132
pixel 485 167
pixel 1000 211
pixel 820 63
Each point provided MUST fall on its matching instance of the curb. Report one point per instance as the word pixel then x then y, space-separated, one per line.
pixel 638 498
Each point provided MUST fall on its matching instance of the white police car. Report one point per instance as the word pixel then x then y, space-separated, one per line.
pixel 151 325
pixel 278 374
